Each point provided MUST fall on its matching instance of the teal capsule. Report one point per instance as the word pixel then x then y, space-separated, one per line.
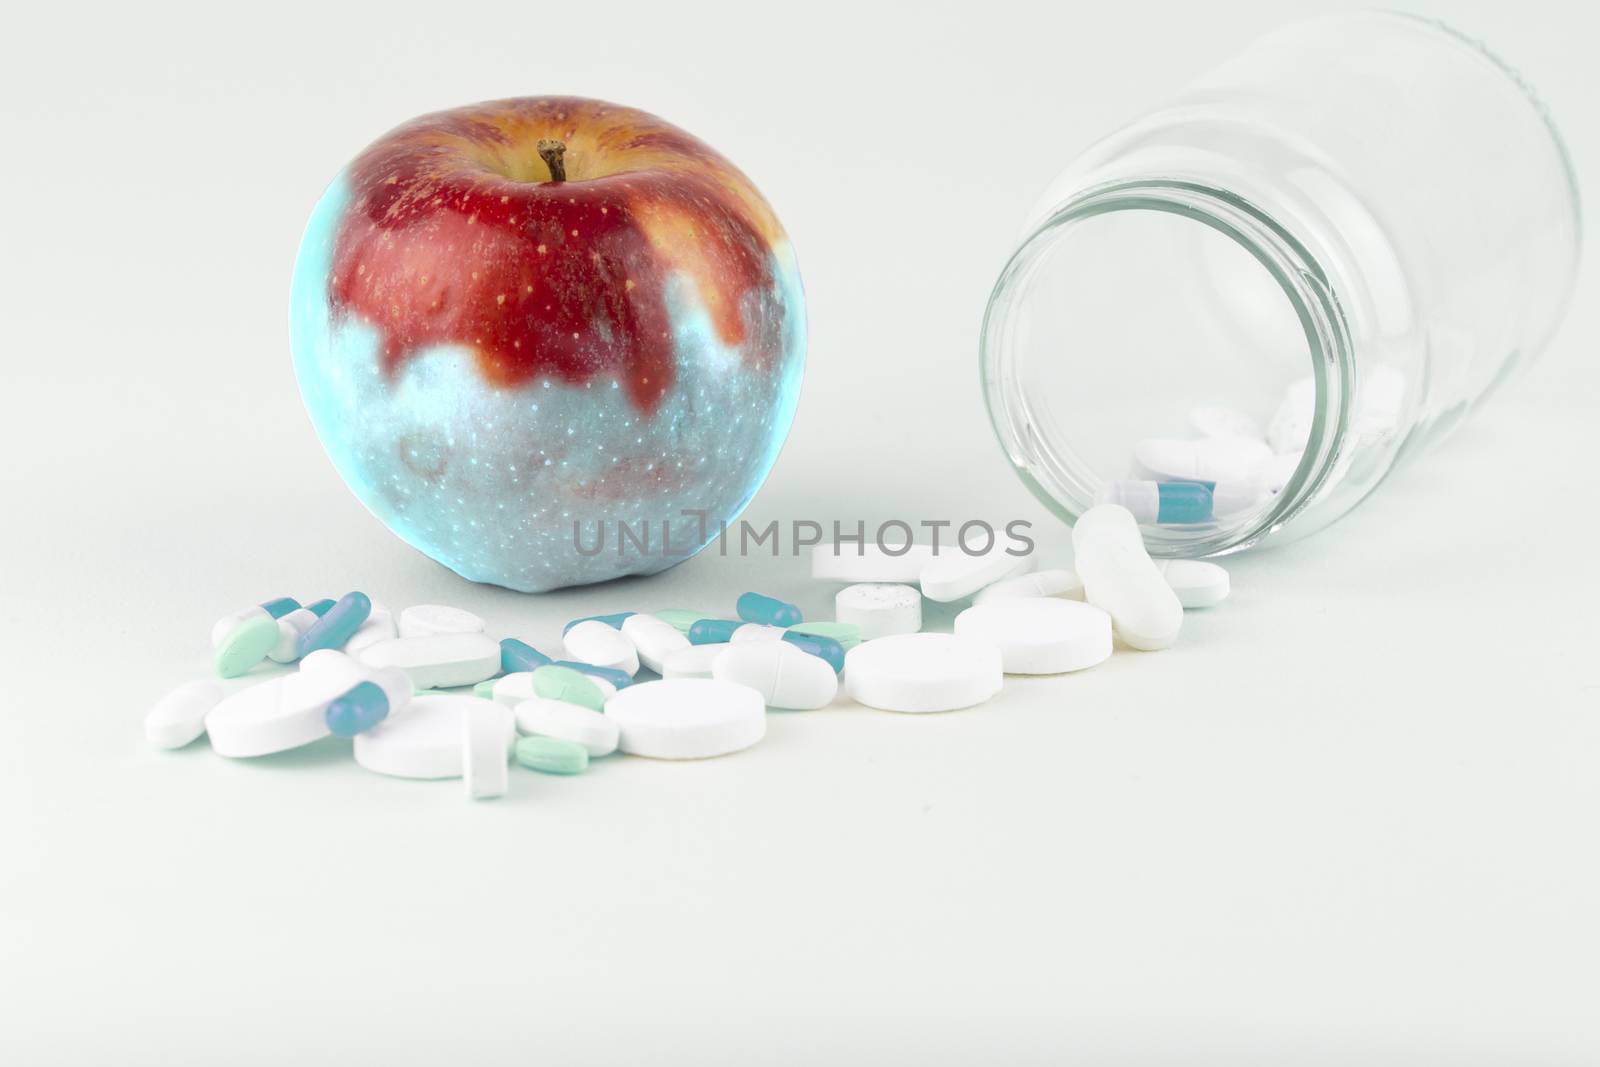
pixel 618 679
pixel 320 608
pixel 552 755
pixel 337 626
pixel 770 611
pixel 613 621
pixel 824 648
pixel 1183 503
pixel 713 631
pixel 362 708
pixel 520 656
pixel 281 606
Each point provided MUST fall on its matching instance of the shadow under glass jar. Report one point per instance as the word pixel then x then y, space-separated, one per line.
pixel 1350 233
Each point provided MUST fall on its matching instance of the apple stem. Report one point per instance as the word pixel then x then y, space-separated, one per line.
pixel 553 153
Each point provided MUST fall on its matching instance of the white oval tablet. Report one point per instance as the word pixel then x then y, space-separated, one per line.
pixel 601 645
pixel 1044 635
pixel 653 639
pixel 379 626
pixel 692 662
pixel 1060 582
pixel 420 620
pixel 180 716
pixel 485 750
pixel 438 661
pixel 687 718
pixel 282 713
pixel 785 677
pixel 1199 583
pixel 556 718
pixel 922 672
pixel 852 562
pixel 1120 577
pixel 880 609
pixel 427 739
pixel 956 574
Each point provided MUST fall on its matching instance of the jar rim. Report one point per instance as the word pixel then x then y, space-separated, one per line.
pixel 1068 492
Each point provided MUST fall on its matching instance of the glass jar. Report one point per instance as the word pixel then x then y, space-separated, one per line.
pixel 1338 242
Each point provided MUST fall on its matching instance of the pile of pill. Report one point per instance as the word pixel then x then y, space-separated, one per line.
pixel 428 694
pixel 1231 462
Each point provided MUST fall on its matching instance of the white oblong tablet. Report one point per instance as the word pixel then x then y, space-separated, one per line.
pixel 380 626
pixel 1043 635
pixel 654 639
pixel 852 562
pixel 956 574
pixel 1059 582
pixel 1120 577
pixel 923 672
pixel 426 740
pixel 438 661
pixel 687 718
pixel 880 609
pixel 692 662
pixel 485 749
pixel 180 716
pixel 282 713
pixel 786 677
pixel 601 645
pixel 569 722
pixel 1199 583
pixel 420 620
pixel 1210 459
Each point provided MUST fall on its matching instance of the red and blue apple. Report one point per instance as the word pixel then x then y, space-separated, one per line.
pixel 548 340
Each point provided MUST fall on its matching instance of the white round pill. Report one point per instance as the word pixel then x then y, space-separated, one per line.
pixel 601 645
pixel 426 740
pixel 420 620
pixel 569 722
pixel 1210 459
pixel 1061 582
pixel 958 573
pixel 180 716
pixel 692 662
pixel 786 677
pixel 687 718
pixel 922 672
pixel 1199 583
pixel 654 639
pixel 851 561
pixel 880 609
pixel 1043 635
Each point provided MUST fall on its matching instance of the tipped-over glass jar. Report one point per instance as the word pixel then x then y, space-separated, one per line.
pixel 1239 312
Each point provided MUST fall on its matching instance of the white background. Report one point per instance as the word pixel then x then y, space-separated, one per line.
pixel 1352 818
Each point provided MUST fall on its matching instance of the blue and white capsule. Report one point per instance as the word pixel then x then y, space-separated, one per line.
pixel 520 656
pixel 276 608
pixel 292 627
pixel 368 703
pixel 1178 503
pixel 337 625
pixel 769 611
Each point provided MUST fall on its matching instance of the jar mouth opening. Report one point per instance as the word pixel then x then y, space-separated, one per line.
pixel 1025 317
